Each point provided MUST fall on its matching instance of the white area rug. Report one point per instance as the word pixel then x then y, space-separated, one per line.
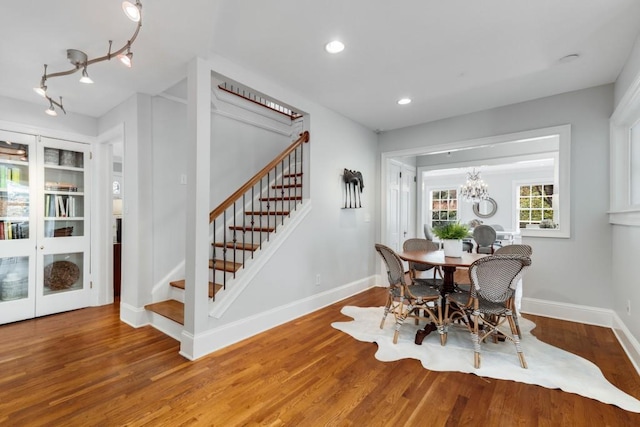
pixel 549 366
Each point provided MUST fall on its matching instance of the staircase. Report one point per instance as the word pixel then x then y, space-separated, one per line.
pixel 243 223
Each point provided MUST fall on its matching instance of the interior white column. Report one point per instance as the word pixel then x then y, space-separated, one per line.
pixel 198 191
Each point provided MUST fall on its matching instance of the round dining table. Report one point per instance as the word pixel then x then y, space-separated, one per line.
pixel 448 264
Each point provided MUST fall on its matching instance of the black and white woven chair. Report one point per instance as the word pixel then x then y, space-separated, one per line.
pixel 408 300
pixel 416 270
pixel 524 250
pixel 489 305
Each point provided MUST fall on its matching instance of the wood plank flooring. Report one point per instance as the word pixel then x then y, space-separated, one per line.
pixel 86 368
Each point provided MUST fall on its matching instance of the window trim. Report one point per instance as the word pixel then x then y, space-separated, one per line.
pixel 627 113
pixel 429 209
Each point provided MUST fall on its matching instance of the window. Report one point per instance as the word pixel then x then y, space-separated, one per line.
pixel 624 208
pixel 444 207
pixel 535 203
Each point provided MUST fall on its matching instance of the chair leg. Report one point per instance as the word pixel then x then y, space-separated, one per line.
pixel 399 322
pixel 475 339
pixel 386 311
pixel 516 340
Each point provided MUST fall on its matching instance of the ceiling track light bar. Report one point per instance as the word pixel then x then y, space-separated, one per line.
pixel 81 61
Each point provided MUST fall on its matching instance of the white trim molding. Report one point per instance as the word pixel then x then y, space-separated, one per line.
pixel 194 347
pixel 626 115
pixel 590 316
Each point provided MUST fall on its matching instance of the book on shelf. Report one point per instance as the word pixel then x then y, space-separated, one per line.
pixel 3 177
pixel 60 186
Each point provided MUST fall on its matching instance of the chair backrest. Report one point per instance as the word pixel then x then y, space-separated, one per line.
pixel 524 250
pixel 419 245
pixel 395 271
pixel 427 233
pixel 494 278
pixel 484 235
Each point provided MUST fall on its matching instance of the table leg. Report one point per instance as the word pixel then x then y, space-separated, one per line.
pixel 448 286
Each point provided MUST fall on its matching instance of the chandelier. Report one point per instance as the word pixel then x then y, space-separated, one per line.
pixel 474 189
pixel 81 61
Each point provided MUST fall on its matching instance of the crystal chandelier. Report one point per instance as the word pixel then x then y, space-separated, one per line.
pixel 474 189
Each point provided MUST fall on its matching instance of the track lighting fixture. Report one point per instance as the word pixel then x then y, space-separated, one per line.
pixel 126 58
pixel 85 77
pixel 80 60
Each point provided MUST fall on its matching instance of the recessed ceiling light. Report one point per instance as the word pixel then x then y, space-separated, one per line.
pixel 334 47
pixel 404 101
pixel 569 58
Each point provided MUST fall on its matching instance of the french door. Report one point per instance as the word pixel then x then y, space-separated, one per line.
pixel 44 261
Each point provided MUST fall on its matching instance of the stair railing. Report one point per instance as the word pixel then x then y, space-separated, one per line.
pixel 232 215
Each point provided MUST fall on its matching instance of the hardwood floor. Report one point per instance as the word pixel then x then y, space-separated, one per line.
pixel 86 368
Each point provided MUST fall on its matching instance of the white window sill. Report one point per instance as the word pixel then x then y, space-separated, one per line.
pixel 625 217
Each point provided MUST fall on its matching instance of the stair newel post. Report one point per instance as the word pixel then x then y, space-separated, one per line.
pixel 295 180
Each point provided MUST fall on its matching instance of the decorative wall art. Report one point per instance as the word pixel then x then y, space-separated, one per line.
pixel 353 186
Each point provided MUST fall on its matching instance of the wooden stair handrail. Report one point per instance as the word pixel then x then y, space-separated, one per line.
pixel 304 137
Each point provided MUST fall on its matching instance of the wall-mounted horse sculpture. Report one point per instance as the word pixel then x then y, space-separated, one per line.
pixel 353 186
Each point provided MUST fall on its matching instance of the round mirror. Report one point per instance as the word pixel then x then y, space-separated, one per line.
pixel 485 208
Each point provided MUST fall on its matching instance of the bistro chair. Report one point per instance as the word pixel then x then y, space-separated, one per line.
pixel 485 237
pixel 524 250
pixel 417 270
pixel 489 305
pixel 407 301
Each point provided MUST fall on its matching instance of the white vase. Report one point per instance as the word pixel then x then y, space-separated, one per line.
pixel 452 248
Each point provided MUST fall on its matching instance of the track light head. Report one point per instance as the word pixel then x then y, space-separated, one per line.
pixel 126 59
pixel 132 10
pixel 51 110
pixel 85 77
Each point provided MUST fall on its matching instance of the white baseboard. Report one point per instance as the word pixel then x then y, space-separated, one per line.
pixel 194 347
pixel 628 342
pixel 566 311
pixel 587 315
pixel 133 316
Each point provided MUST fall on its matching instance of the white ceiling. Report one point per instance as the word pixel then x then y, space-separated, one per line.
pixel 452 57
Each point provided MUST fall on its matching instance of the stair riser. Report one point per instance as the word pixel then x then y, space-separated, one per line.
pixel 264 220
pixel 219 254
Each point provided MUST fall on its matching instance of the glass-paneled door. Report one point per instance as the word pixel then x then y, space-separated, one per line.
pixel 17 225
pixel 62 267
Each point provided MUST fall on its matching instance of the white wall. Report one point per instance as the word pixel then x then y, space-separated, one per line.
pixel 563 270
pixel 31 114
pixel 137 228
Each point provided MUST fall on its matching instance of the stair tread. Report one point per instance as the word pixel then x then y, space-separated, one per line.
pixel 180 284
pixel 267 213
pixel 243 228
pixel 171 309
pixel 239 246
pixel 286 186
pixel 280 198
pixel 229 266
